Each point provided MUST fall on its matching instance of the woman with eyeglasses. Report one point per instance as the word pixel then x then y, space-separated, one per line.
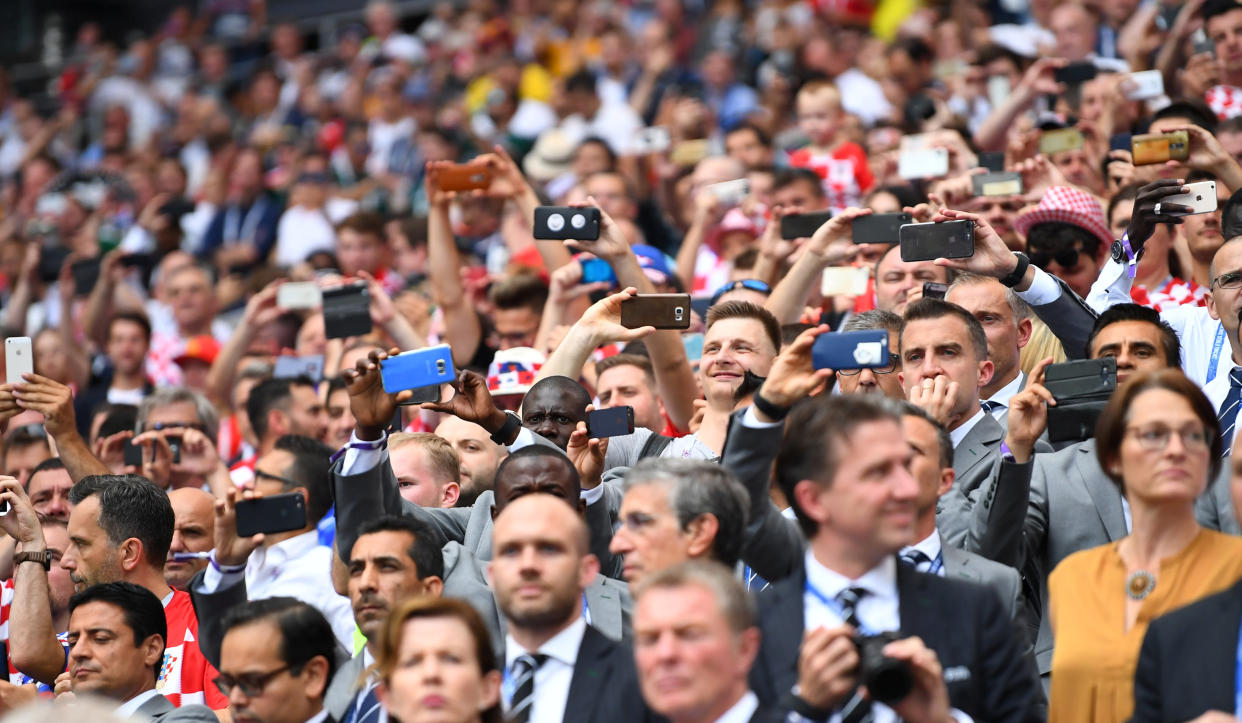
pixel 436 664
pixel 1159 440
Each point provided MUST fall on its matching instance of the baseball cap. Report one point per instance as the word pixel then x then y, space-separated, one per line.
pixel 513 371
pixel 203 348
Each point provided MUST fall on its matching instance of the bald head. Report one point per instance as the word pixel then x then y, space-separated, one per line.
pixel 193 531
pixel 541 511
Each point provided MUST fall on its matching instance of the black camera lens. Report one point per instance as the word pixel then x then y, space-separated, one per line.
pixel 888 680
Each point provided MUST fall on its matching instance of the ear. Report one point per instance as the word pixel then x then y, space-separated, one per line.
pixel 587 571
pixel 1212 310
pixel 452 491
pixel 491 690
pixel 748 648
pixel 702 531
pixel 316 672
pixel 433 585
pixel 153 651
pixel 1025 329
pixel 947 475
pixel 277 422
pixel 806 495
pixel 901 379
pixel 986 369
pixel 130 554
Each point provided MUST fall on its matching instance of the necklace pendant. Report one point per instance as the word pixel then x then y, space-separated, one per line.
pixel 1139 584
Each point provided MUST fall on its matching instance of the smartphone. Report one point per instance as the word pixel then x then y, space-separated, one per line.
pixel 1201 43
pixel 270 515
pixel 934 290
pixel 998 90
pixel 299 295
pixel 465 177
pixel 18 359
pixel 693 344
pixel 1201 198
pixel 597 270
pixel 879 228
pixel 85 274
pixel 347 311
pixel 1060 140
pixel 689 153
pixel 663 311
pixel 1082 389
pixel 138 261
pixel 1119 142
pixel 427 367
pixel 843 281
pixel 613 422
pixel 1160 147
pixel 803 225
pixel 866 349
pixel 1075 73
pixel 730 193
pixel 994 161
pixel 291 367
pixel 1144 85
pixel 929 163
pixel 651 140
pixel 997 184
pixel 132 453
pixel 174 446
pixel 556 223
pixel 928 241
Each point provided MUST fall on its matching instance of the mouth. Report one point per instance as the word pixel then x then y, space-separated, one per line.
pixel 434 701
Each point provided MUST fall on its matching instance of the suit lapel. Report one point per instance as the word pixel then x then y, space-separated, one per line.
pixel 591 673
pixel 975 446
pixel 1103 492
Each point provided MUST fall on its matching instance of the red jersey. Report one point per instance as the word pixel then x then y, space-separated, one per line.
pixel 185 675
pixel 844 172
pixel 1171 294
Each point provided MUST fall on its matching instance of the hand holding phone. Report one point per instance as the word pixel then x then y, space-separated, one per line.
pixel 271 515
pixel 613 422
pixel 1160 147
pixel 417 369
pixel 464 176
pixel 930 241
pixel 662 311
pixel 299 295
pixel 557 223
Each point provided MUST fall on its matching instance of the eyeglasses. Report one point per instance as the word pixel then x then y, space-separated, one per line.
pixel 252 684
pixel 892 367
pixel 1156 437
pixel 260 474
pixel 161 426
pixel 1231 280
pixel 753 284
pixel 1065 258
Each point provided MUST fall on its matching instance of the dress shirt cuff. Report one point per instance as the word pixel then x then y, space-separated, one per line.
pixel 213 580
pixel 960 716
pixel 525 438
pixel 1111 287
pixel 593 495
pixel 1044 289
pixel 357 461
pixel 750 419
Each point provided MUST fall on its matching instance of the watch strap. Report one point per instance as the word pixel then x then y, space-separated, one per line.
pixel 1019 271
pixel 775 411
pixel 360 444
pixel 43 558
pixel 504 435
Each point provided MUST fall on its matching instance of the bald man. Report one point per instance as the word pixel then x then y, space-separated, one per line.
pixel 193 531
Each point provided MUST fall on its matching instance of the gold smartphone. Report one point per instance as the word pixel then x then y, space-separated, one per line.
pixel 1060 140
pixel 1160 147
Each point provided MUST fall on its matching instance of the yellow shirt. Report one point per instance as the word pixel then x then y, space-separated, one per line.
pixel 1094 659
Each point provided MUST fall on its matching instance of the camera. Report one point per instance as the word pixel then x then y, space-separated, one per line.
pixel 888 680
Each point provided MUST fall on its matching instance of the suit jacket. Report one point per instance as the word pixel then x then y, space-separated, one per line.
pixel 1186 665
pixel 1214 509
pixel 1070 319
pixel 1000 579
pixel 605 686
pixel 343 689
pixel 162 710
pixel 986 674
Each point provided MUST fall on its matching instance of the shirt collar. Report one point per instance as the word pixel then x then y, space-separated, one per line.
pixel 131 706
pixel 880 580
pixel 742 711
pixel 562 647
pixel 1005 393
pixel 957 435
pixel 929 545
pixel 319 717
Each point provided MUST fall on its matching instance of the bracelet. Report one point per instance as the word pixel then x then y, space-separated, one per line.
pixel 505 433
pixel 1019 271
pixel 224 569
pixel 770 409
pixel 366 445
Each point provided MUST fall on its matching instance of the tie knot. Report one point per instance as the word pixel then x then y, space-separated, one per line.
pixel 850 596
pixel 1235 377
pixel 529 661
pixel 915 558
pixel 989 406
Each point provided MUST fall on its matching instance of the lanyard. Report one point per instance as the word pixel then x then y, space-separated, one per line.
pixel 835 607
pixel 238 230
pixel 936 565
pixel 1237 677
pixel 1217 344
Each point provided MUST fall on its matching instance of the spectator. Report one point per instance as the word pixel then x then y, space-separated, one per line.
pixel 280 407
pixel 25 448
pixel 193 534
pixel 478 454
pixel 427 467
pixel 880 380
pixel 1003 316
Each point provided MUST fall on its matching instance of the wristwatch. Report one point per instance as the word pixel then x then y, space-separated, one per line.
pixel 1019 271
pixel 43 558
pixel 504 435
pixel 1124 255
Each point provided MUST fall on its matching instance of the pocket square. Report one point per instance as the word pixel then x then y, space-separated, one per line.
pixel 956 674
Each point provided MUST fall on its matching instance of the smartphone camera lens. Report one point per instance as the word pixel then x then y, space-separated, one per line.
pixel 577 220
pixel 556 222
pixel 679 313
pixel 439 366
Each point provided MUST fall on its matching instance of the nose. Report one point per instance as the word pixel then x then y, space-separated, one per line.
pixel 666 648
pixel 867 378
pixel 621 543
pixel 905 487
pixel 369 579
pixel 238 699
pixel 57 508
pixel 178 543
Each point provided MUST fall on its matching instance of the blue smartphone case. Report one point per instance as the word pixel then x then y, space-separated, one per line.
pixel 419 368
pixel 851 350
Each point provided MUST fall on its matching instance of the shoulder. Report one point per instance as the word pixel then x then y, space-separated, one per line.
pixel 1220 551
pixel 191 713
pixel 849 149
pixel 1082 563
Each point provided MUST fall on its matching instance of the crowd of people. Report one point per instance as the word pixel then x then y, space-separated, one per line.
pixel 218 505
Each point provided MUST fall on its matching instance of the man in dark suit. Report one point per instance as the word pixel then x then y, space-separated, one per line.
pixel 847 475
pixel 116 646
pixel 698 677
pixel 556 666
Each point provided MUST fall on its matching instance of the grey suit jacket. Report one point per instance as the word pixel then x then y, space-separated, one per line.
pixel 1001 579
pixel 1070 319
pixel 161 709
pixel 1214 510
pixel 344 687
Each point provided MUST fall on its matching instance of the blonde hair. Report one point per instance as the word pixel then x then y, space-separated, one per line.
pixel 820 90
pixel 440 453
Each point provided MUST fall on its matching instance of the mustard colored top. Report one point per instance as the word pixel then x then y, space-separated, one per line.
pixel 1094 659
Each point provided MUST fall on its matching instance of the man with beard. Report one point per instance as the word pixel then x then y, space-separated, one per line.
pixel 479 455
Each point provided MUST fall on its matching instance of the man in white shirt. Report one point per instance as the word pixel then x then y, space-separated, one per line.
pixel 616 123
pixel 1005 320
pixel 695 640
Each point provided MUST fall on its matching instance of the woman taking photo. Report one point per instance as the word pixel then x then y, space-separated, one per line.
pixel 1159 440
pixel 436 664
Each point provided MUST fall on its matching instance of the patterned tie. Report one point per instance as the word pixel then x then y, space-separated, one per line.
pixel 368 709
pixel 990 407
pixel 754 583
pixel 858 709
pixel 1229 411
pixel 916 559
pixel 524 668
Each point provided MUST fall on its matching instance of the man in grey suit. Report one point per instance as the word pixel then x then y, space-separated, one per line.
pixel 116 647
pixel 1006 321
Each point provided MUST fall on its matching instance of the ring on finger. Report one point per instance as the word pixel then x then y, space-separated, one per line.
pixel 1157 210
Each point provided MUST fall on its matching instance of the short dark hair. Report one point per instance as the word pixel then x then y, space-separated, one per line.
pixel 823 423
pixel 425 552
pixel 578 395
pixel 747 310
pixel 521 290
pixel 131 505
pixel 143 611
pixel 304 632
pixel 927 308
pixel 919 51
pixel 47 465
pixel 1057 235
pixel 786 177
pixel 312 468
pixel 761 135
pixel 582 81
pixel 1192 109
pixel 1212 8
pixel 133 317
pixel 1169 343
pixel 639 361
pixel 602 143
pixel 364 222
pixel 119 418
pixel 269 394
pixel 538 450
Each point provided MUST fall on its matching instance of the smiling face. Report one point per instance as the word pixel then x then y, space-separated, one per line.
pixel 731 347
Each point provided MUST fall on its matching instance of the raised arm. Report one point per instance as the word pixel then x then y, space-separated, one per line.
pixel 260 311
pixel 830 245
pixel 462 328
pixel 55 402
pixel 33 647
pixel 601 324
pixel 1038 80
pixel 706 213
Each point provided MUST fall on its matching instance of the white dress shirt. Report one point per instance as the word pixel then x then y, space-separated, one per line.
pixel 131 706
pixel 741 710
pixel 552 679
pixel 931 547
pixel 1005 393
pixel 957 435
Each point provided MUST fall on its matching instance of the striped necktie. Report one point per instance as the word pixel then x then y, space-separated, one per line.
pixel 916 559
pixel 367 709
pixel 1229 411
pixel 524 668
pixel 858 709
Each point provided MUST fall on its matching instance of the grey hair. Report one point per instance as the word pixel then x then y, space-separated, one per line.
pixel 873 319
pixel 164 396
pixel 1021 310
pixel 695 488
pixel 737 605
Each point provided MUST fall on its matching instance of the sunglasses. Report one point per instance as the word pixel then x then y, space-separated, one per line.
pixel 753 284
pixel 1065 258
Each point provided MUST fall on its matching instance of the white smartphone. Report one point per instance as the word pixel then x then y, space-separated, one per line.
pixel 299 295
pixel 843 281
pixel 18 359
pixel 930 163
pixel 730 193
pixel 1144 85
pixel 1201 198
pixel 651 140
pixel 998 90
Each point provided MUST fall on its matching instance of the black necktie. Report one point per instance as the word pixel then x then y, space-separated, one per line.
pixel 1229 411
pixel 858 709
pixel 524 668
pixel 916 559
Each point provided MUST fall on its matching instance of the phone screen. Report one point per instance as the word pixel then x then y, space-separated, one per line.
pixel 929 241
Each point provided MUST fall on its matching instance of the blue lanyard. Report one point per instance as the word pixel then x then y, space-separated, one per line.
pixel 1237 678
pixel 1217 344
pixel 936 565
pixel 835 607
pixel 586 610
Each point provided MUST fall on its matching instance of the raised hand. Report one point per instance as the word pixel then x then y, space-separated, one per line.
pixel 603 320
pixel 1028 414
pixel 928 701
pixel 373 408
pixel 231 550
pixel 51 399
pixel 1143 218
pixel 471 401
pixel 587 454
pixel 936 397
pixel 21 522
pixel 991 258
pixel 793 375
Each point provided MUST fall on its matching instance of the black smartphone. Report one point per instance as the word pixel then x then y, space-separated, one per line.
pixel 663 311
pixel 556 223
pixel 803 225
pixel 934 290
pixel 85 274
pixel 928 241
pixel 612 422
pixel 347 311
pixel 994 161
pixel 138 261
pixel 51 259
pixel 269 515
pixel 879 228
pixel 132 453
pixel 174 445
pixel 1075 73
pixel 1082 389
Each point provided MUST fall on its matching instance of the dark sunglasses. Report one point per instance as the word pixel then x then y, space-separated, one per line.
pixel 752 284
pixel 1065 258
pixel 252 684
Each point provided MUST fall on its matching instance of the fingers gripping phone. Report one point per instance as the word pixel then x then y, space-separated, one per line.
pixel 18 359
pixel 422 370
pixel 663 311
pixel 1160 147
pixel 1200 197
pixel 270 515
